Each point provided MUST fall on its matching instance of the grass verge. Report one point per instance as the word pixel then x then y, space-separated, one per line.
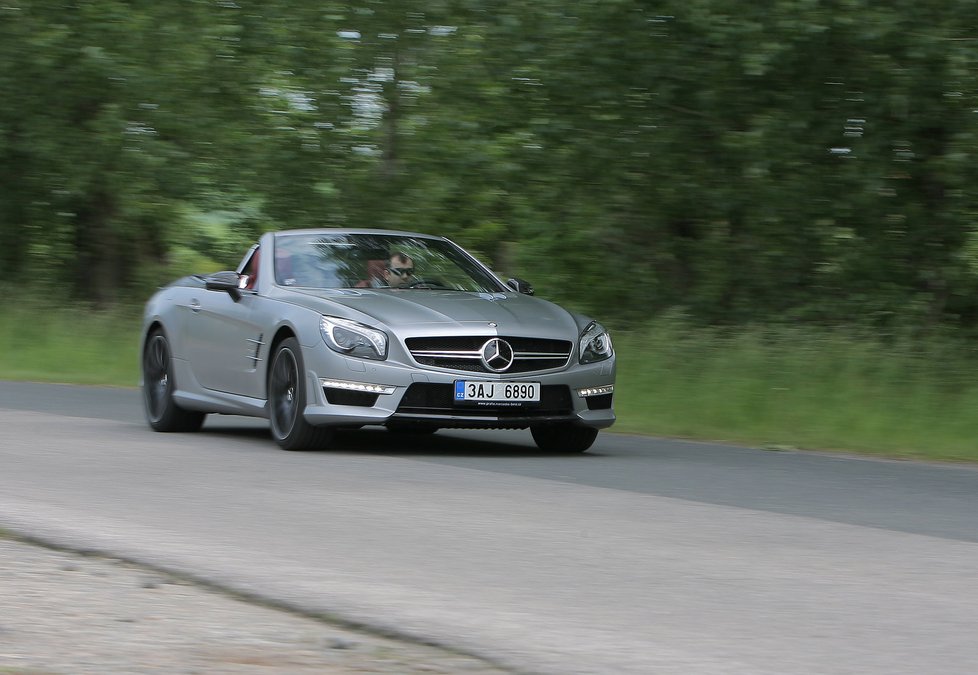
pixel 69 345
pixel 768 387
pixel 802 388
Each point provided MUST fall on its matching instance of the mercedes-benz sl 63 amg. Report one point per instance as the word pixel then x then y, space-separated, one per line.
pixel 318 330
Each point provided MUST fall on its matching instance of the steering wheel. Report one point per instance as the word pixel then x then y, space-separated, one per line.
pixel 431 283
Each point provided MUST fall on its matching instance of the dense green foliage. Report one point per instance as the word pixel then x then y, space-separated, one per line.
pixel 778 160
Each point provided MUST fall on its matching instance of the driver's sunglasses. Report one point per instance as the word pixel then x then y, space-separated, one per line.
pixel 402 271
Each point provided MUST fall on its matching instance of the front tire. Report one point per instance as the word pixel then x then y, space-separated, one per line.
pixel 564 437
pixel 287 400
pixel 162 412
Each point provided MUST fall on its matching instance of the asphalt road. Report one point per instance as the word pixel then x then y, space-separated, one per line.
pixel 641 556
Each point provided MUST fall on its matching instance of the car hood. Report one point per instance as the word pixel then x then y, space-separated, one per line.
pixel 418 310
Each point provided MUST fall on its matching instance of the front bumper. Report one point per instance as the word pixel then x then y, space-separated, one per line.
pixel 416 395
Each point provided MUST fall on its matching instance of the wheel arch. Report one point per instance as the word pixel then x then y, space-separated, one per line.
pixel 150 327
pixel 282 333
pixel 153 325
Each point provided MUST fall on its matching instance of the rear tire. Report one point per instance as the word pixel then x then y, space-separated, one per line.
pixel 287 400
pixel 564 437
pixel 162 412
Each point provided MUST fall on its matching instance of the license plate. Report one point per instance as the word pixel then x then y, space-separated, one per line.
pixel 511 393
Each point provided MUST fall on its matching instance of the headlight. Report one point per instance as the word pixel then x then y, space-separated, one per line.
pixel 353 338
pixel 595 343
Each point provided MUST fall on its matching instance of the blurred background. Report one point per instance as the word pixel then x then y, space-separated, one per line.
pixel 800 172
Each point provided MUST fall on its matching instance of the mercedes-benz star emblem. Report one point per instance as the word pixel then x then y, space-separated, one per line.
pixel 497 355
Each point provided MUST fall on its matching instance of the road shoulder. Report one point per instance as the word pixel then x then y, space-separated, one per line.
pixel 62 612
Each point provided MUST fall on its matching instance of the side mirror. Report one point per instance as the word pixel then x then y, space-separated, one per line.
pixel 224 281
pixel 520 286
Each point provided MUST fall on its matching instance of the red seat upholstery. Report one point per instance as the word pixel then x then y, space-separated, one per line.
pixel 375 270
pixel 251 272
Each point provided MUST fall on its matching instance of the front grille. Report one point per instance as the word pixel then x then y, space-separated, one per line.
pixel 463 353
pixel 428 398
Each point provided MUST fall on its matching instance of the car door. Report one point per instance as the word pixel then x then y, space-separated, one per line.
pixel 224 339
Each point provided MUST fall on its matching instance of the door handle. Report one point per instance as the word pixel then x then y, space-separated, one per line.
pixel 195 305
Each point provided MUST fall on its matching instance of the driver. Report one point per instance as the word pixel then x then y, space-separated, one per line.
pixel 399 271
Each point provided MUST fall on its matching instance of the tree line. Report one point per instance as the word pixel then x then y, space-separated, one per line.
pixel 783 160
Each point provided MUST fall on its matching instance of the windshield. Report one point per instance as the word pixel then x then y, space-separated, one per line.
pixel 401 262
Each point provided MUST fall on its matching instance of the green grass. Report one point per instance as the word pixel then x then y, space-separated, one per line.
pixel 792 387
pixel 769 387
pixel 69 345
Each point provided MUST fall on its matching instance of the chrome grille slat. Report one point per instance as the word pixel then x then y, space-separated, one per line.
pixel 445 354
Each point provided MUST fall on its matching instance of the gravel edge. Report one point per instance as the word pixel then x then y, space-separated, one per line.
pixel 69 611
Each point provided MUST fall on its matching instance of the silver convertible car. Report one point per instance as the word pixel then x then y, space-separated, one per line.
pixel 325 329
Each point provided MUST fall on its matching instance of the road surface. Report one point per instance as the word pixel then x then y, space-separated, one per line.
pixel 641 556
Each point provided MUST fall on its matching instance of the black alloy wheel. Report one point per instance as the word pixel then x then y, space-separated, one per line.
pixel 162 412
pixel 287 400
